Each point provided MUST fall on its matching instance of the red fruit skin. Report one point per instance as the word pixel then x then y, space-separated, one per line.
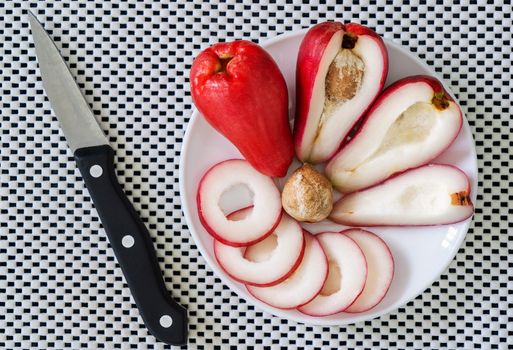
pixel 213 233
pixel 246 101
pixel 309 58
pixel 342 222
pixel 269 284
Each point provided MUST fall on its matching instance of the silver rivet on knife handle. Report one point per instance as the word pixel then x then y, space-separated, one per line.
pixel 96 171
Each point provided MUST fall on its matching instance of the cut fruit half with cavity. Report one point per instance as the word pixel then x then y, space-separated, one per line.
pixel 262 219
pixel 429 195
pixel 380 269
pixel 411 123
pixel 303 285
pixel 340 70
pixel 267 262
pixel 346 276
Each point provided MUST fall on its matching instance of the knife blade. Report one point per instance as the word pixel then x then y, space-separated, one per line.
pixel 128 236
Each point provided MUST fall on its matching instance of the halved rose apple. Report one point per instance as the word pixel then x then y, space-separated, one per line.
pixel 433 194
pixel 340 70
pixel 411 123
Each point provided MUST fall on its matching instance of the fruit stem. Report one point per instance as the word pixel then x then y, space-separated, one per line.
pixel 349 41
pixel 223 63
pixel 460 198
pixel 440 101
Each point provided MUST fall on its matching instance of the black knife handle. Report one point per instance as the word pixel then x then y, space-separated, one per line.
pixel 132 244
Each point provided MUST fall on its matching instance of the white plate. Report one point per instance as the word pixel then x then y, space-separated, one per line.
pixel 421 254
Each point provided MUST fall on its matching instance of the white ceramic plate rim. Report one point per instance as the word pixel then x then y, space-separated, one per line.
pixel 283 313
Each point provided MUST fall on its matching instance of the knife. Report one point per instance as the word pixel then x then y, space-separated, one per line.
pixel 129 238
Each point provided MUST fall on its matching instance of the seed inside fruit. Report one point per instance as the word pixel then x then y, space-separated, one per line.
pixel 344 77
pixel 332 284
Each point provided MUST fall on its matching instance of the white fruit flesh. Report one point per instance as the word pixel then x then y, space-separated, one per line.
pixel 266 202
pixel 330 120
pixel 429 195
pixel 267 262
pixel 318 96
pixel 346 276
pixel 303 285
pixel 380 269
pixel 405 131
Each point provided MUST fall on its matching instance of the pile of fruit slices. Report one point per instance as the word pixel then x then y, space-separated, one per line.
pixel 373 147
pixel 291 268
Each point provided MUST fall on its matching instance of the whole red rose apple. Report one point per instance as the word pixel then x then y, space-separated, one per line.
pixel 241 92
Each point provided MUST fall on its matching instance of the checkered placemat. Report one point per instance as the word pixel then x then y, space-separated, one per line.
pixel 60 285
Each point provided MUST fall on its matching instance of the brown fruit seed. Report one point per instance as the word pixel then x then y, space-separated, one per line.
pixel 344 77
pixel 307 195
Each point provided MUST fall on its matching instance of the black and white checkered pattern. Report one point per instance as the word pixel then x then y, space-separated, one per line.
pixel 60 286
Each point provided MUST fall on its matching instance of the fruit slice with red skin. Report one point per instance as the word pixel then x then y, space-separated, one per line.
pixel 346 276
pixel 266 212
pixel 241 92
pixel 340 70
pixel 380 269
pixel 411 123
pixel 265 263
pixel 429 195
pixel 303 285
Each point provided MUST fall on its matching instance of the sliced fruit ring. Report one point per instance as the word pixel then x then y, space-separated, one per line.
pixel 380 269
pixel 341 69
pixel 264 216
pixel 433 194
pixel 268 262
pixel 411 123
pixel 346 276
pixel 303 285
